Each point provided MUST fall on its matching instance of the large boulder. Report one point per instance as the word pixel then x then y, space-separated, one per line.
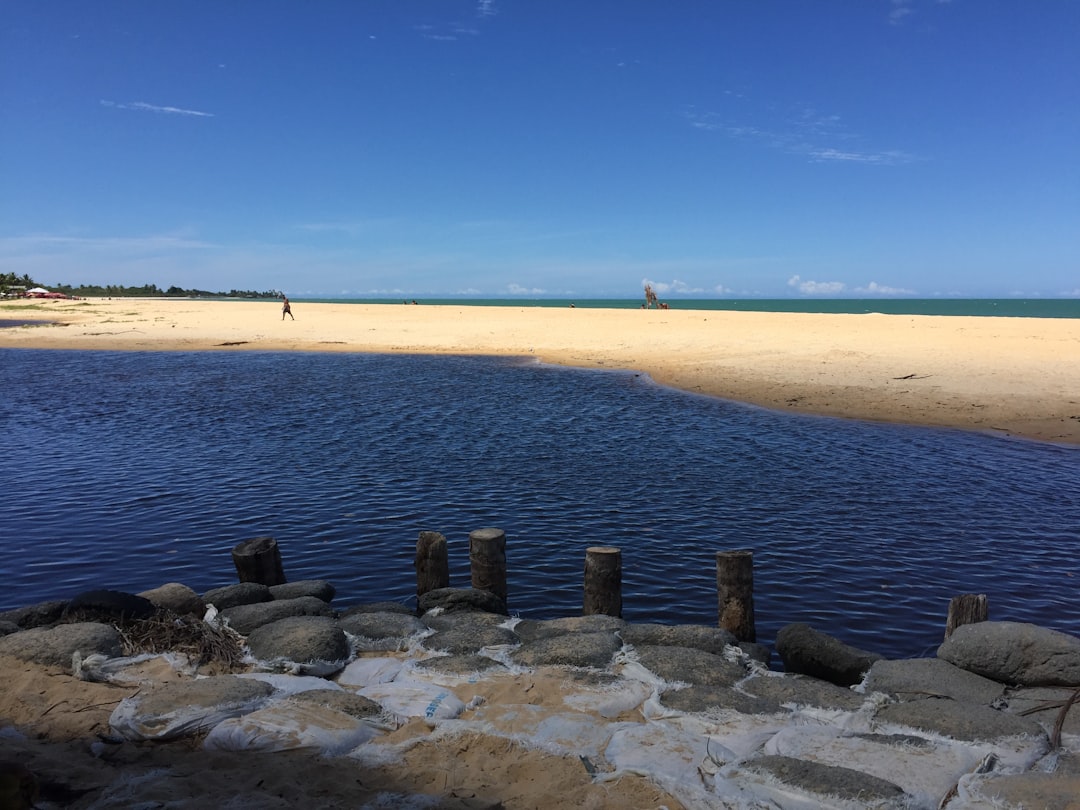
pixel 55 646
pixel 915 678
pixel 109 606
pixel 245 618
pixel 312 645
pixel 700 637
pixel 1015 653
pixel 177 598
pixel 39 615
pixel 572 650
pixel 382 631
pixel 689 665
pixel 319 588
pixel 807 651
pixel 241 593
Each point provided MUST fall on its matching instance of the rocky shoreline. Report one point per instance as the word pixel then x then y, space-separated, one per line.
pixel 988 722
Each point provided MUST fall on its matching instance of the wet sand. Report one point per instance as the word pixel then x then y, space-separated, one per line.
pixel 1012 376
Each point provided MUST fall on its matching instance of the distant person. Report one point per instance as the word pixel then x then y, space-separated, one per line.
pixel 286 309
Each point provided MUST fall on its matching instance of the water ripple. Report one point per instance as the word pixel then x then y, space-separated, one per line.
pixel 131 469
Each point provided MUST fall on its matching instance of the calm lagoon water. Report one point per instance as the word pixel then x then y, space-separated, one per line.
pixel 127 470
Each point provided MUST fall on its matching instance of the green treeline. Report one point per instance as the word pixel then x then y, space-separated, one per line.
pixel 12 284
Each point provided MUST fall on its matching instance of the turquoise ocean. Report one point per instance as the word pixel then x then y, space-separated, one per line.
pixel 976 307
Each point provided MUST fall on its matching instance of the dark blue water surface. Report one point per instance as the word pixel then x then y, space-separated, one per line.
pixel 128 470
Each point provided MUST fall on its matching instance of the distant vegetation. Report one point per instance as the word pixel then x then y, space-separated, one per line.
pixel 12 284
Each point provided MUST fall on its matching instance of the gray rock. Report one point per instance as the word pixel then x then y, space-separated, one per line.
pixel 304 640
pixel 108 606
pixel 917 678
pixel 246 618
pixel 378 607
pixel 1044 704
pixel 7 628
pixel 1015 653
pixel 319 588
pixel 533 630
pixel 802 691
pixel 451 599
pixel 1045 791
pixel 475 618
pixel 242 593
pixel 340 701
pixel 826 780
pixel 382 631
pixel 699 637
pixel 176 709
pixel 709 699
pixel 177 598
pixel 960 721
pixel 39 615
pixel 807 651
pixel 572 650
pixel 54 646
pixel 469 637
pixel 460 664
pixel 691 666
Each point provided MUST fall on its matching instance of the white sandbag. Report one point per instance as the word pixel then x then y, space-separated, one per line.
pixel 610 701
pixel 927 769
pixel 291 684
pixel 560 733
pixel 369 671
pixel 415 699
pixel 134 720
pixel 288 726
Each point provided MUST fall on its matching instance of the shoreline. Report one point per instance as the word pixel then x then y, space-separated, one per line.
pixel 997 375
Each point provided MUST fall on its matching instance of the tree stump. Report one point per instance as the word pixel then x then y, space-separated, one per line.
pixel 967 608
pixel 487 560
pixel 259 560
pixel 603 581
pixel 735 593
pixel 432 563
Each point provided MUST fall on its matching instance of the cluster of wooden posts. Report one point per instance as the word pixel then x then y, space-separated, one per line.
pixel 259 560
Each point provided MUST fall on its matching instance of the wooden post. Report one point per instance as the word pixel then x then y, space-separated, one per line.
pixel 487 559
pixel 967 608
pixel 259 560
pixel 432 563
pixel 735 593
pixel 603 581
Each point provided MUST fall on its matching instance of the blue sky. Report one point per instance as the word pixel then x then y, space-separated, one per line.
pixel 482 148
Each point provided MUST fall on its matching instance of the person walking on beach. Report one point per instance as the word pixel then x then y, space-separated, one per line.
pixel 286 309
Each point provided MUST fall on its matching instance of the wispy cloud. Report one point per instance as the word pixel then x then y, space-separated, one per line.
pixel 673 286
pixel 517 289
pixel 486 8
pixel 154 108
pixel 808 287
pixel 822 138
pixel 453 31
pixel 816 287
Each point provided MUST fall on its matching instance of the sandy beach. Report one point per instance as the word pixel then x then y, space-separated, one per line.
pixel 1011 376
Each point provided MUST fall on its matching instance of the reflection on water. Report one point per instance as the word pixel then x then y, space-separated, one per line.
pixel 128 470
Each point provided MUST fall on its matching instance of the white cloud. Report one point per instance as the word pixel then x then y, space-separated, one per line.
pixel 517 289
pixel 803 131
pixel 486 8
pixel 816 287
pixel 674 286
pixel 873 288
pixel 143 106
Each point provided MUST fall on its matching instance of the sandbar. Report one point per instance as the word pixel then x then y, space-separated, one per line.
pixel 1016 377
